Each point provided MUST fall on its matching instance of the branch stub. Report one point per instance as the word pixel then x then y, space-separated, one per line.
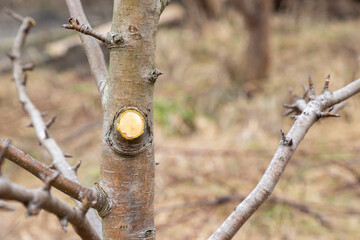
pixel 131 124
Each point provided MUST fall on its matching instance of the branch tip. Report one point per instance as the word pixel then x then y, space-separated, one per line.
pixel 11 56
pixel 326 85
pixel 28 67
pixel 14 15
pixel 76 167
pixel 311 88
pixel 74 24
pixel 285 141
pixel 326 114
pixel 68 155
pixel 51 121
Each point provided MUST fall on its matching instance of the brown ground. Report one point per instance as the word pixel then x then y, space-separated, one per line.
pixel 210 144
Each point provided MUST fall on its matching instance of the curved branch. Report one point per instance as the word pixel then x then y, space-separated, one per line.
pixel 42 199
pixel 313 111
pixel 37 121
pixel 92 48
pixel 65 185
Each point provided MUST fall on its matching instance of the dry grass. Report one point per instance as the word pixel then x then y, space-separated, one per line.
pixel 211 142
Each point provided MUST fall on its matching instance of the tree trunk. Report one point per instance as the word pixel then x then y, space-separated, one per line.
pixel 257 21
pixel 127 153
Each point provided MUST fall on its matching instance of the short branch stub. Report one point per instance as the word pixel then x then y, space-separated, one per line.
pixel 131 124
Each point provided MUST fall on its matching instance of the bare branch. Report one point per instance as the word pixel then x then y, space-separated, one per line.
pixel 282 156
pixel 37 121
pixel 75 25
pixel 52 120
pixel 35 200
pixel 14 15
pixel 91 46
pixel 46 174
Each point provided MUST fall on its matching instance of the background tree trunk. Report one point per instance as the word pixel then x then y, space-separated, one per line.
pixel 128 166
pixel 256 14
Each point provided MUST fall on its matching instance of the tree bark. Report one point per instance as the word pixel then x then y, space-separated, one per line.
pixel 127 164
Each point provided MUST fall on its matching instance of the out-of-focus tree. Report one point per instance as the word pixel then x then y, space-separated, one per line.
pixel 256 65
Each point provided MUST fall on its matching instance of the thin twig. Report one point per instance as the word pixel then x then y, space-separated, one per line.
pixel 74 24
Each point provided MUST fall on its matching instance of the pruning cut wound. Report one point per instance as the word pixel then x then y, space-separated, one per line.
pixel 131 124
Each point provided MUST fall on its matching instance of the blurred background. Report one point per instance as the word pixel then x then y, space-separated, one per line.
pixel 228 66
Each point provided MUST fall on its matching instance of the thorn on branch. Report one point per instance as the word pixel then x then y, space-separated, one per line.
pixel 76 167
pixel 52 166
pixel 51 121
pixel 67 155
pixel 48 181
pixel 24 80
pixel 326 85
pixel 33 208
pixel 64 223
pixel 28 67
pixel 306 91
pixel 46 134
pixel 312 89
pixel 295 117
pixel 291 106
pixel 288 112
pixel 154 75
pixel 285 141
pixel 11 56
pixel 326 114
pixel 157 163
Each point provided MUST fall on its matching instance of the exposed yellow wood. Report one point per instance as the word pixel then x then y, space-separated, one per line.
pixel 131 124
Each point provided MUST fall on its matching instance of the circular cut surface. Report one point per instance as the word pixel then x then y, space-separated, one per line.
pixel 130 124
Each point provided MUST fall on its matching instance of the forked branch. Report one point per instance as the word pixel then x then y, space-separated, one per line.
pixel 65 185
pixel 38 199
pixel 310 113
